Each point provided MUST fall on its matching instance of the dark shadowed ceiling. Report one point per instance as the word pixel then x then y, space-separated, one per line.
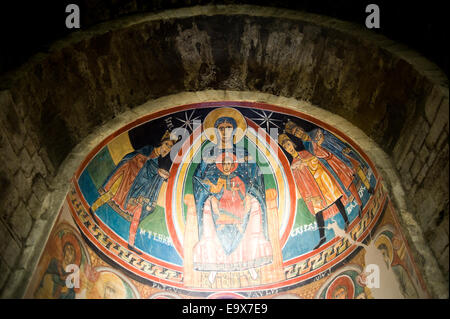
pixel 29 27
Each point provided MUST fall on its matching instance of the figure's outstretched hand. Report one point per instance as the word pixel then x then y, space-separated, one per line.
pixel 346 150
pixel 298 164
pixel 213 188
pixel 207 182
pixel 163 173
pixel 319 138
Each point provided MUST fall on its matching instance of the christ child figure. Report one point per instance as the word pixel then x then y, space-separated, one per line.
pixel 229 204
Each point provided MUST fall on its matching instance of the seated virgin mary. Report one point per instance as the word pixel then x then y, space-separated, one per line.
pixel 230 202
pixel 231 205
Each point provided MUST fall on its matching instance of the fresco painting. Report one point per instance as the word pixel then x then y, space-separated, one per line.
pixel 226 200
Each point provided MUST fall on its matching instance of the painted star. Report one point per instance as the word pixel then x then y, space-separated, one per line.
pixel 266 119
pixel 188 121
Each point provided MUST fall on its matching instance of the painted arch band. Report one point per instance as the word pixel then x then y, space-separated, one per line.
pixel 257 198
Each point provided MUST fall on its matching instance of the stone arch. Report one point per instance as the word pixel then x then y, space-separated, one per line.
pixel 95 80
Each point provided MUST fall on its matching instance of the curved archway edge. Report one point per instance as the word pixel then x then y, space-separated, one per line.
pixel 76 73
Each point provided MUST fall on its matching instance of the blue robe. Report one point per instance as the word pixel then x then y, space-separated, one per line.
pixel 335 146
pixel 147 183
pixel 250 174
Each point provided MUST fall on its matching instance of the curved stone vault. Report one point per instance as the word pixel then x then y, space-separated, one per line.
pixel 389 104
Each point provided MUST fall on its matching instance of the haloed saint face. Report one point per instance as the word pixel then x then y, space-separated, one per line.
pixel 226 131
pixel 319 136
pixel 289 147
pixel 227 165
pixel 69 254
pixel 109 291
pixel 340 293
pixel 385 253
pixel 166 146
pixel 299 132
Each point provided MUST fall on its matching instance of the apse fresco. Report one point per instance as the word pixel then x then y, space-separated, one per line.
pixel 227 200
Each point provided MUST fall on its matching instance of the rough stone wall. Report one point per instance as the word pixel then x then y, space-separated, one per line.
pixel 25 175
pixel 56 100
pixel 422 158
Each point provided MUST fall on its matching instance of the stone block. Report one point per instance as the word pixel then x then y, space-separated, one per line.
pixel 29 146
pixel 426 210
pixel 46 162
pixel 438 125
pixel 422 129
pixel 432 103
pixel 442 141
pixel 402 149
pixel 413 190
pixel 39 187
pixel 22 183
pixel 444 153
pixel 22 109
pixel 4 272
pixel 39 165
pixel 432 157
pixel 25 162
pixel 7 155
pixel 34 206
pixel 407 180
pixel 407 163
pixel 21 222
pixel 416 167
pixel 422 174
pixel 444 261
pixel 11 253
pixel 25 257
pixel 14 281
pixel 424 153
pixel 6 104
pixel 445 224
pixel 5 98
pixel 32 133
pixel 9 202
pixel 38 232
pixel 439 241
pixel 4 237
pixel 14 129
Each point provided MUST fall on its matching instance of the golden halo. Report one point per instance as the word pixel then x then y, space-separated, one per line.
pixel 208 124
pixel 341 281
pixel 283 138
pixel 383 239
pixel 70 238
pixel 113 282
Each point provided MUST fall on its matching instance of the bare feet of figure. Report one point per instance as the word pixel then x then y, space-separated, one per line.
pixel 253 273
pixel 212 276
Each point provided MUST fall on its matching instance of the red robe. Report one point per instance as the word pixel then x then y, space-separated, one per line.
pixel 315 197
pixel 231 201
pixel 128 171
pixel 345 173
